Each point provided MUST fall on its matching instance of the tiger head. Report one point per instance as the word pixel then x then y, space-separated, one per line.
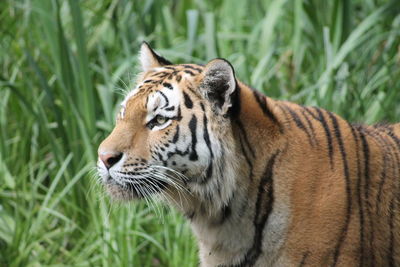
pixel 173 133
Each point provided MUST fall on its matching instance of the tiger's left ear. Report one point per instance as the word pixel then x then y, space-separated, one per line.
pixel 219 84
pixel 150 59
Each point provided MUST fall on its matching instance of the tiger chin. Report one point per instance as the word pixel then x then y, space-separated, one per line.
pixel 262 182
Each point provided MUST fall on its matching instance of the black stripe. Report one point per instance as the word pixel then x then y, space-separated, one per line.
pixel 168 85
pixel 244 205
pixel 367 199
pixel 307 109
pixel 192 90
pixel 247 158
pixel 383 177
pixel 309 123
pixel 188 101
pixel 393 136
pixel 298 123
pixel 178 78
pixel 386 154
pixel 166 99
pixel 365 149
pixel 178 152
pixel 234 113
pixel 396 152
pixel 391 240
pixel 304 258
pixel 396 170
pixel 343 153
pixel 262 102
pixel 193 127
pixel 208 143
pixel 222 165
pixel 244 134
pixel 189 72
pixel 147 101
pixel 190 215
pixel 328 135
pixel 171 108
pixel 153 81
pixel 176 135
pixel 179 116
pixel 226 212
pixel 264 206
pixel 358 194
pixel 161 74
pixel 191 67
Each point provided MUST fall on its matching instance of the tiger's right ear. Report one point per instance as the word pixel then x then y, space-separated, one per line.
pixel 150 59
pixel 219 84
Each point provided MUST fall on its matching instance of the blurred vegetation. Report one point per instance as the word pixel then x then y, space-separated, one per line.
pixel 65 64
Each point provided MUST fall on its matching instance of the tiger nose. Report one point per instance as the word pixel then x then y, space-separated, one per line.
pixel 110 158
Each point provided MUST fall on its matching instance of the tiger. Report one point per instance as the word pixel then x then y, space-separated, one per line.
pixel 262 182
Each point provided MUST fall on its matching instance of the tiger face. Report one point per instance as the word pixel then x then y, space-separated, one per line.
pixel 163 141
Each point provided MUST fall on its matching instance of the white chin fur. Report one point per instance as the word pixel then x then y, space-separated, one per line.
pixel 116 192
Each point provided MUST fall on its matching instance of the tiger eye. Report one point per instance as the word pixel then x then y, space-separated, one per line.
pixel 161 119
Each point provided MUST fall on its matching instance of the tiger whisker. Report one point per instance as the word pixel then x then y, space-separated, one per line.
pixel 179 174
pixel 161 176
pixel 147 192
pixel 179 194
pixel 154 188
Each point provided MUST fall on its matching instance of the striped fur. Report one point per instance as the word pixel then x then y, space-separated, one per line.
pixel 267 183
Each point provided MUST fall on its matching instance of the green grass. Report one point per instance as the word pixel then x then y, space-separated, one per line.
pixel 65 65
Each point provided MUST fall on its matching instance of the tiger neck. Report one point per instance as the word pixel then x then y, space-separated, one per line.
pixel 230 235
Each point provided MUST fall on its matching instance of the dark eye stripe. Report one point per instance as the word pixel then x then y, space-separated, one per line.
pixel 168 85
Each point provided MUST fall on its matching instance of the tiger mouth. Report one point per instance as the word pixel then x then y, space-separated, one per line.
pixel 134 189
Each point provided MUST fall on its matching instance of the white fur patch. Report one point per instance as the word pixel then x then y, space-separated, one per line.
pixel 145 61
pixel 160 101
pixel 146 58
pixel 127 97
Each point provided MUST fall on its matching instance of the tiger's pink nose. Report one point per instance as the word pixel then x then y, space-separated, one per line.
pixel 110 158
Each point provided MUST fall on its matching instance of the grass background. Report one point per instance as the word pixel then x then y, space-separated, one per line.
pixel 64 67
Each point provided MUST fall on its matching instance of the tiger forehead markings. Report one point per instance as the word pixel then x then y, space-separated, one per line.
pixel 168 89
pixel 262 182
